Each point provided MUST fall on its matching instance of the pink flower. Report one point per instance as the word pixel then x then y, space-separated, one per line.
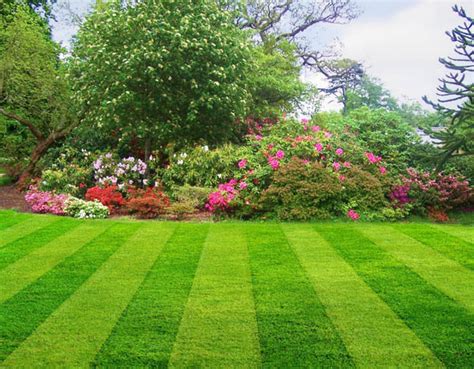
pixel 304 121
pixel 336 166
pixel 305 161
pixel 383 170
pixel 242 164
pixel 243 185
pixel 342 178
pixel 258 137
pixel 274 163
pixel 315 128
pixel 353 214
pixel 372 158
pixel 339 151
pixel 270 146
pixel 280 154
pixel 346 164
pixel 327 134
pixel 318 147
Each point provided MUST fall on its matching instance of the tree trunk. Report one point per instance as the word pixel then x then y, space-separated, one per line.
pixel 36 155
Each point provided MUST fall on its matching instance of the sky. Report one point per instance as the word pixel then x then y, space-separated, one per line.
pixel 399 42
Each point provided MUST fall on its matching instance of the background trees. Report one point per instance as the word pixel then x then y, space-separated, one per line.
pixel 456 94
pixel 162 72
pixel 33 91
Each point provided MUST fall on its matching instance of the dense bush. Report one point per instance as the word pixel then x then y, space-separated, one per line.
pixel 78 208
pixel 302 190
pixel 147 203
pixel 45 202
pixel 109 196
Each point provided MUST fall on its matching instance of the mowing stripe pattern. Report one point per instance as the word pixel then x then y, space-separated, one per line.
pixel 219 327
pixel 133 294
pixel 373 333
pixel 293 326
pixel 74 333
pixel 154 315
pixel 443 325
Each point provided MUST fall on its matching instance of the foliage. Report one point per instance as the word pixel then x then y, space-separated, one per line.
pixel 109 195
pixel 78 208
pixel 457 87
pixel 33 91
pixel 302 191
pixel 147 203
pixel 45 202
pixel 371 93
pixel 197 196
pixel 426 191
pixel 179 76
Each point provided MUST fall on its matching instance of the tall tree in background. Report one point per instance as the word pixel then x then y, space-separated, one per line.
pixel 456 93
pixel 33 91
pixel 371 93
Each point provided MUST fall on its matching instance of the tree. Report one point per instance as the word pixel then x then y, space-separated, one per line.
pixel 456 93
pixel 164 72
pixel 371 93
pixel 41 7
pixel 33 90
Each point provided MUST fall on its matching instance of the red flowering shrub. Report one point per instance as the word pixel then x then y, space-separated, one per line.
pixel 109 196
pixel 438 215
pixel 147 204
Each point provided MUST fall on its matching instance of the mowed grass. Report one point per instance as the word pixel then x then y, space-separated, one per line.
pixel 131 294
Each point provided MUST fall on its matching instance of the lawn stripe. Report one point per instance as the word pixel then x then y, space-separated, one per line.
pixel 8 219
pixel 373 334
pixel 465 233
pixel 17 249
pixel 452 247
pixel 21 314
pixel 219 327
pixel 294 328
pixel 24 228
pixel 445 327
pixel 154 314
pixel 74 333
pixel 445 274
pixel 25 271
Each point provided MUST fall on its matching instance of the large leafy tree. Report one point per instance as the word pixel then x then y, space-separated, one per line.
pixel 33 91
pixel 456 94
pixel 371 93
pixel 166 72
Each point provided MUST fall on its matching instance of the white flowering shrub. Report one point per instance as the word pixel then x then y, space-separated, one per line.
pixel 82 209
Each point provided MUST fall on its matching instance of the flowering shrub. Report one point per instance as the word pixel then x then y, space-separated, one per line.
pixel 45 202
pixel 123 173
pixel 353 172
pixel 109 196
pixel 147 203
pixel 424 191
pixel 78 208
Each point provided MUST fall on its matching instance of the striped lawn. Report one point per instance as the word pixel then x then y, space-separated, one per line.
pixel 130 294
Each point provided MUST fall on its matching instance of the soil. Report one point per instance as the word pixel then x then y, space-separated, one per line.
pixel 11 198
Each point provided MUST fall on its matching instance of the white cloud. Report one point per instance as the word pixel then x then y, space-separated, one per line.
pixel 403 49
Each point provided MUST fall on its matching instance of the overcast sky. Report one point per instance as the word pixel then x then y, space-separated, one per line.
pixel 399 41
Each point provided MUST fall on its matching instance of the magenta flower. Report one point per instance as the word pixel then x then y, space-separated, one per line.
pixel 383 170
pixel 274 163
pixel 342 178
pixel 258 137
pixel 242 164
pixel 373 159
pixel 304 121
pixel 315 128
pixel 280 154
pixel 243 185
pixel 327 134
pixel 353 214
pixel 336 166
pixel 339 152
pixel 318 147
pixel 346 164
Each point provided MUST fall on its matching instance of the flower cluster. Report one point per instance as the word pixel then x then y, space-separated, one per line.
pixel 45 202
pixel 81 209
pixel 123 173
pixel 220 200
pixel 351 213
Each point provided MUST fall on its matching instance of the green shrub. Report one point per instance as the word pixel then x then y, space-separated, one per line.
pixel 302 191
pixel 82 209
pixel 195 196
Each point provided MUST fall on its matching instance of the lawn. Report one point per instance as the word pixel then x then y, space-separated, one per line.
pixel 123 293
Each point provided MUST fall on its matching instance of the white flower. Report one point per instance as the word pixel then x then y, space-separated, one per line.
pixel 219 175
pixel 180 162
pixel 184 155
pixel 145 182
pixel 205 148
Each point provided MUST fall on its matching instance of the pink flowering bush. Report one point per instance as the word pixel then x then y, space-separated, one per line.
pixel 432 193
pixel 45 202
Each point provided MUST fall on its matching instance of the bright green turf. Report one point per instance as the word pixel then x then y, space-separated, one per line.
pixel 127 294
